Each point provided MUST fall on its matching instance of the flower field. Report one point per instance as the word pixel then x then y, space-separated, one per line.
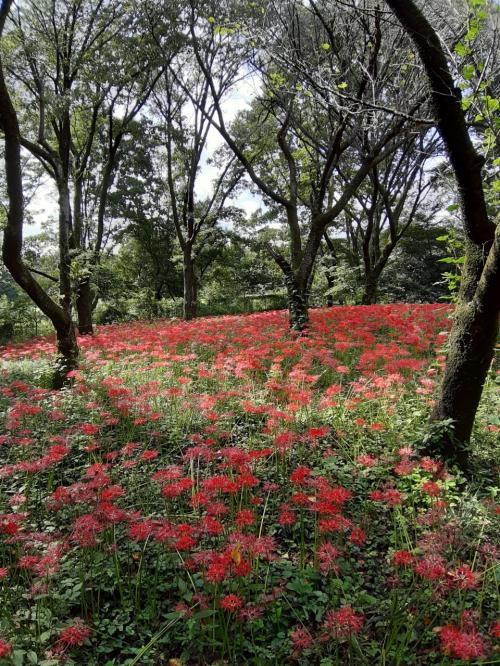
pixel 220 492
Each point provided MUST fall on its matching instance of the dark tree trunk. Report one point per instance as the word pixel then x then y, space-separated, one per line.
pixel 475 327
pixel 331 283
pixel 372 279
pixel 370 292
pixel 471 350
pixel 84 307
pixel 67 354
pixel 190 286
pixel 297 304
pixel 13 235
pixel 296 289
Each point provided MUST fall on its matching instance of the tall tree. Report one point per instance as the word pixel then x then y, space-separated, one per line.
pixel 186 123
pixel 476 322
pixel 317 90
pixel 76 69
pixel 59 314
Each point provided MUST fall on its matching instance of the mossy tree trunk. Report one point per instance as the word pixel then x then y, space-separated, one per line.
pixel 475 326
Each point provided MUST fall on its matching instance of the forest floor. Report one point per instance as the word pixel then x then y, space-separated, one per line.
pixel 224 492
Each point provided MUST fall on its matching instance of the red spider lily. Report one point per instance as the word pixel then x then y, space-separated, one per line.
pixel 463 578
pixel 389 496
pixel 231 603
pixel 342 623
pixel 301 640
pixel 403 558
pixel 366 461
pixel 328 555
pixel 74 635
pixel 466 645
pixel 431 567
pixel 5 648
pixel 357 536
pixel 431 488
pixel 244 518
pixel 300 475
pixel 286 516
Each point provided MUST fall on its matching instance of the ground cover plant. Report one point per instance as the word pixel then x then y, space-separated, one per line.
pixel 223 491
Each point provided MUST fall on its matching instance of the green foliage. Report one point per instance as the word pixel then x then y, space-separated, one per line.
pixel 454 246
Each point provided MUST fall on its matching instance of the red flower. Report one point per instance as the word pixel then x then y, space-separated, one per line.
pixel 300 475
pixel 431 488
pixel 301 640
pixel 466 645
pixel 231 603
pixel 244 517
pixel 286 516
pixel 358 536
pixel 431 567
pixel 366 461
pixel 464 578
pixel 5 648
pixel 342 623
pixel 76 634
pixel 402 558
pixel 328 555
pixel 391 496
pixel 89 429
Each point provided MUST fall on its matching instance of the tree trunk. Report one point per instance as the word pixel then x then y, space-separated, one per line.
pixel 84 307
pixel 67 354
pixel 370 292
pixel 331 284
pixel 475 327
pixel 297 304
pixel 190 286
pixel 471 350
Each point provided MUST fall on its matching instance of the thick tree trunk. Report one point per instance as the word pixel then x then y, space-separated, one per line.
pixel 471 350
pixel 372 279
pixel 67 354
pixel 84 307
pixel 296 292
pixel 297 304
pixel 370 292
pixel 475 327
pixel 190 286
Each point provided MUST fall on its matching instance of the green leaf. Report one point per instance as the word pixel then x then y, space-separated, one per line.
pixel 209 612
pixel 468 72
pixel 342 86
pixel 18 657
pixel 325 46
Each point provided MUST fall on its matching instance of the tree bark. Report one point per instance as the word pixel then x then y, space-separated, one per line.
pixel 190 286
pixel 84 306
pixel 370 292
pixel 298 312
pixel 476 322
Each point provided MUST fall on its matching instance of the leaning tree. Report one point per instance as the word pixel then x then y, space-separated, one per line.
pixel 475 327
pixel 58 313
